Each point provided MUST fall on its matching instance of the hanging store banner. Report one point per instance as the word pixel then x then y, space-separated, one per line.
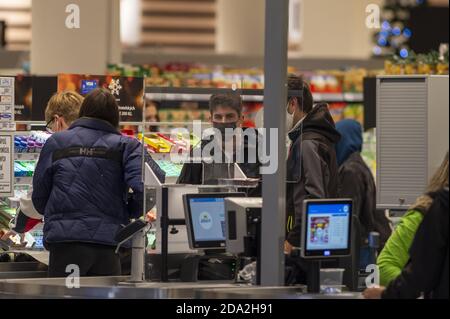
pixel 128 91
pixel 23 89
pixel 43 89
pixel 31 95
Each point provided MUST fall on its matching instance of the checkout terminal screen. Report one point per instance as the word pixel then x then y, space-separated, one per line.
pixel 328 226
pixel 208 219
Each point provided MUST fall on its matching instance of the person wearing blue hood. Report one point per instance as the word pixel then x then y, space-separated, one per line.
pixel 356 181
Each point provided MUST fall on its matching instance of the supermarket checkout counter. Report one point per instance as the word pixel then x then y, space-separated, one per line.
pixel 23 260
pixel 112 287
pixel 22 269
pixel 101 288
pixel 212 222
pixel 123 287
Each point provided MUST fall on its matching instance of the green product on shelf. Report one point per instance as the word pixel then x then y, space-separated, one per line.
pixel 24 168
pixel 171 169
pixel 194 140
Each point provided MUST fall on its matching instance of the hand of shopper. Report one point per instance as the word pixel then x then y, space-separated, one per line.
pixel 151 216
pixel 287 247
pixel 5 234
pixel 373 293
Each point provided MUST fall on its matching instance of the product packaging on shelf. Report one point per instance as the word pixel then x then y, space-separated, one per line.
pixel 32 143
pixel 24 168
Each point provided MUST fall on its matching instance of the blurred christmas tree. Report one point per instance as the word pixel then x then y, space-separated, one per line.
pixel 394 34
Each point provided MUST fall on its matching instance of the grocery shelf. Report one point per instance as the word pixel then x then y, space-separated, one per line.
pixel 249 95
pixel 26 156
pixel 202 91
pixel 354 97
pixel 198 94
pixel 40 123
pixel 25 180
pixel 194 97
pixel 13 202
pixel 338 97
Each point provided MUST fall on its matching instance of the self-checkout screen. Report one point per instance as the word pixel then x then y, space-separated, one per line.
pixel 208 218
pixel 328 227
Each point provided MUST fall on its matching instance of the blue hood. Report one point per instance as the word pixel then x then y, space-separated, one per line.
pixel 351 139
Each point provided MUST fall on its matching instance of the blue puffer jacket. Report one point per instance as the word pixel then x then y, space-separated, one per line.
pixel 85 197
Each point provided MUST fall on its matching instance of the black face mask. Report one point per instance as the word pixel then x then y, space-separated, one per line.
pixel 223 126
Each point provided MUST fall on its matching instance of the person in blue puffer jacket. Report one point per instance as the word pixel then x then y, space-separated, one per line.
pixel 82 187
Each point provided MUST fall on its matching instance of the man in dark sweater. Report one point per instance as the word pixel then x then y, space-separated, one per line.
pixel 226 117
pixel 311 164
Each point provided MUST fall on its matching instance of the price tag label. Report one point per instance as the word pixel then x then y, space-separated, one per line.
pixel 6 164
pixel 7 103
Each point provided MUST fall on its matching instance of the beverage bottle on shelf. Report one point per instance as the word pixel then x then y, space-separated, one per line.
pixel 23 145
pixel 16 145
pixel 38 146
pixel 30 168
pixel 18 169
pixel 31 146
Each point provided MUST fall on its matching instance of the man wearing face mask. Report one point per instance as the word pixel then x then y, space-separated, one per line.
pixel 226 115
pixel 311 164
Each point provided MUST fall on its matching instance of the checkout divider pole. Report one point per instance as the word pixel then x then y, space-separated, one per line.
pixel 164 235
pixel 274 185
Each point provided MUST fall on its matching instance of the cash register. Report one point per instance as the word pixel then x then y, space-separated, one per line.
pixel 205 222
pixel 325 233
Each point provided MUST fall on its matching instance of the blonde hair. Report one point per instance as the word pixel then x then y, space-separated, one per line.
pixel 65 104
pixel 438 181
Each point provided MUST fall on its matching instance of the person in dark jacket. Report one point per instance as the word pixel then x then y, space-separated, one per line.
pixel 311 164
pixel 427 272
pixel 81 186
pixel 356 182
pixel 226 113
pixel 61 111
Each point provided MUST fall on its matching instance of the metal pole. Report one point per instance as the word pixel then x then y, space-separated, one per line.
pixel 165 235
pixel 275 100
pixel 138 257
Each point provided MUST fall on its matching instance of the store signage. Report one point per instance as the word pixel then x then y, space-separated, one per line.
pixel 7 104
pixel 128 91
pixel 6 136
pixel 6 164
pixel 43 89
pixel 23 90
pixel 31 95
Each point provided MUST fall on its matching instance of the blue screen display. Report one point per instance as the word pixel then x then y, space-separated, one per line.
pixel 208 218
pixel 328 226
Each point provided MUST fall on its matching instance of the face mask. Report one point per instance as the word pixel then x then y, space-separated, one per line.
pixel 223 126
pixel 289 121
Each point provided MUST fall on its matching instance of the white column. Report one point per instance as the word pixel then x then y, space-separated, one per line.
pixel 55 48
pixel 336 29
pixel 240 27
pixel 131 18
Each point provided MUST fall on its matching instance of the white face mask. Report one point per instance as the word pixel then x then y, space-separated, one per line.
pixel 289 120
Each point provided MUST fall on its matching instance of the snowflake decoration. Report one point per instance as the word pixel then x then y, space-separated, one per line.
pixel 115 87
